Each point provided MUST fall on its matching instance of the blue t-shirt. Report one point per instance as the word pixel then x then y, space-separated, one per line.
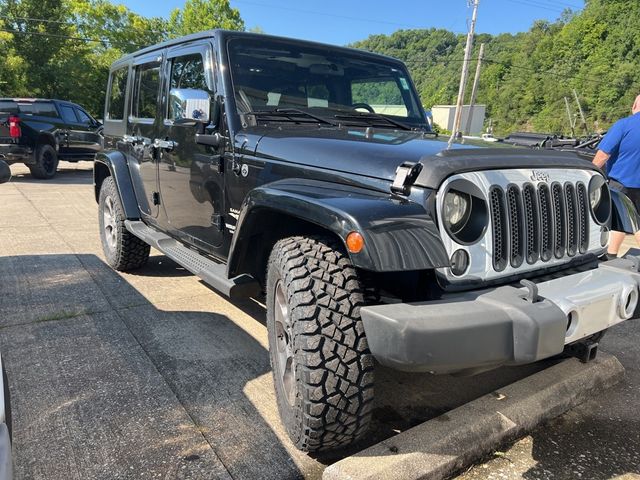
pixel 622 142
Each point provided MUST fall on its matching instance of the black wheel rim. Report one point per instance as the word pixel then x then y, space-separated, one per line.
pixel 48 161
pixel 285 363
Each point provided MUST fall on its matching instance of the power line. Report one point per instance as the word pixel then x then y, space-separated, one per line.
pixel 70 24
pixel 55 35
pixel 104 41
pixel 537 4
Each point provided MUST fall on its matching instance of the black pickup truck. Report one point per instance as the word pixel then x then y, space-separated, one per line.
pixel 309 172
pixel 40 132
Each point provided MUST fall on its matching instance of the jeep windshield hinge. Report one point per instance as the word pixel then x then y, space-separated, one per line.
pixel 406 176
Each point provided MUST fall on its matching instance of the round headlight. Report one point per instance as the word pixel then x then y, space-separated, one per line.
pixel 599 199
pixel 594 197
pixel 455 209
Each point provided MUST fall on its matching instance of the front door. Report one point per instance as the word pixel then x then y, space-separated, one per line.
pixel 83 140
pixel 191 183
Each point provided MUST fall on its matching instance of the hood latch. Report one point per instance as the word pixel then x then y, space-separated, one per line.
pixel 406 176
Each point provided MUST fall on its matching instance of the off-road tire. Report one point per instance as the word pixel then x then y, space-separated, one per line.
pixel 46 164
pixel 332 364
pixel 124 251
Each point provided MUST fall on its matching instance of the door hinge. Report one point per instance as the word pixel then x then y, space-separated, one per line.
pixel 155 198
pixel 218 164
pixel 217 221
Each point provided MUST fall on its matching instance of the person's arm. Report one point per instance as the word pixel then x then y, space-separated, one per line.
pixel 609 144
pixel 601 159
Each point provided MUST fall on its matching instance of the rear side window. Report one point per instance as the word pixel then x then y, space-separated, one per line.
pixel 44 109
pixel 115 110
pixel 83 117
pixel 8 106
pixel 146 88
pixel 67 114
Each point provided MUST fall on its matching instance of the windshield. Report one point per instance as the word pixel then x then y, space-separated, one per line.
pixel 271 75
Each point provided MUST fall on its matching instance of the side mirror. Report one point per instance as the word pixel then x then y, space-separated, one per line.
pixel 5 172
pixel 187 105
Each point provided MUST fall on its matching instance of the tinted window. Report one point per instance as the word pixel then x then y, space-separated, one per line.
pixel 8 106
pixel 83 117
pixel 42 109
pixel 145 95
pixel 383 95
pixel 186 72
pixel 115 110
pixel 67 114
pixel 269 74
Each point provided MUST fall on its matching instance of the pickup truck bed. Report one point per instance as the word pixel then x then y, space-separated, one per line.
pixel 39 133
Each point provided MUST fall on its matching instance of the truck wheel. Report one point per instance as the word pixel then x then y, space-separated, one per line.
pixel 46 162
pixel 123 250
pixel 322 367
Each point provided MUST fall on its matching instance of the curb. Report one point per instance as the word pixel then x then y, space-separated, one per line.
pixel 440 447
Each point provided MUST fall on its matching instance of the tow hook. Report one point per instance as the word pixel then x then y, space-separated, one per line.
pixel 585 352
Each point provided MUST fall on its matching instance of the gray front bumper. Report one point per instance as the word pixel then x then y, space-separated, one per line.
pixel 479 330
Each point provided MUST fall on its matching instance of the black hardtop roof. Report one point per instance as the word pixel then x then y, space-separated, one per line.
pixel 226 34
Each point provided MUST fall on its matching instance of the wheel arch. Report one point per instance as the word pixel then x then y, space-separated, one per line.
pixel 399 236
pixel 45 138
pixel 114 164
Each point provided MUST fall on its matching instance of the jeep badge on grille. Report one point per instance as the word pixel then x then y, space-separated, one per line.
pixel 538 176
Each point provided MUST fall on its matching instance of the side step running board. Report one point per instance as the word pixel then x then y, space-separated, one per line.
pixel 211 272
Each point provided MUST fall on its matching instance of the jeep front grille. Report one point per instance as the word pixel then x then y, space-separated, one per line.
pixel 523 219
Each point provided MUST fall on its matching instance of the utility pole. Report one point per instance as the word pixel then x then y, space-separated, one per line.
pixel 571 121
pixel 463 77
pixel 474 90
pixel 584 122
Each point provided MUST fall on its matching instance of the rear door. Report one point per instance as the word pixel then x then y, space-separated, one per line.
pixel 191 181
pixel 71 139
pixel 143 126
pixel 82 130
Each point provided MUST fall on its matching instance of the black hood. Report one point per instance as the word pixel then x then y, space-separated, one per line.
pixel 350 150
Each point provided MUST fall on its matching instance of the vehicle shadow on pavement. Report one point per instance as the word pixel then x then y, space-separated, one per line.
pixel 121 387
pixel 68 174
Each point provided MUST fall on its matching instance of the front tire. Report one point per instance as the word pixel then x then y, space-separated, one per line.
pixel 322 367
pixel 46 164
pixel 122 249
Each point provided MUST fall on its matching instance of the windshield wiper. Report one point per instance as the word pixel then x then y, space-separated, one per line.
pixel 291 114
pixel 372 116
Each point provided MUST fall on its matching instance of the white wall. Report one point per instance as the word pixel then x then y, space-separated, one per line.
pixel 444 116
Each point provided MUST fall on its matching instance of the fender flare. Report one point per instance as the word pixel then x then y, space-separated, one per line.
pixel 624 215
pixel 116 164
pixel 399 234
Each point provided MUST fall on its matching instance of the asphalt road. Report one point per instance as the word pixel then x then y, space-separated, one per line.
pixel 153 375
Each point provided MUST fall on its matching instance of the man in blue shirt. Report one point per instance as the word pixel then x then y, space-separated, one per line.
pixel 619 150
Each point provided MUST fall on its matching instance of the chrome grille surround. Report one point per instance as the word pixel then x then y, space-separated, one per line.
pixel 533 224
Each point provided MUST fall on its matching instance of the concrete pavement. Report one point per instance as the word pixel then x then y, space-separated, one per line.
pixel 152 374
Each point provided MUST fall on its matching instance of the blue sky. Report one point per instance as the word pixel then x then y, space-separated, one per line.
pixel 345 21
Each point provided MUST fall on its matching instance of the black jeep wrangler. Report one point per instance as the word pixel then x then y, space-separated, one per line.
pixel 308 172
pixel 40 132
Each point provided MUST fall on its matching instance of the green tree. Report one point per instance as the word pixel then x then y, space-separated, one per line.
pixel 199 15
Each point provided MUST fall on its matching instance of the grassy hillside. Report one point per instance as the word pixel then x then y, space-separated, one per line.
pixel 526 76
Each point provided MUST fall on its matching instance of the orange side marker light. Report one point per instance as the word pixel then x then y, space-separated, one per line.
pixel 355 242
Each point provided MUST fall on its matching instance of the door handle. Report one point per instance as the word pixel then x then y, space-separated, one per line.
pixel 167 145
pixel 135 140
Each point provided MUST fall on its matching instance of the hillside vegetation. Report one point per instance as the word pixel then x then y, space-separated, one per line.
pixel 526 76
pixel 63 49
